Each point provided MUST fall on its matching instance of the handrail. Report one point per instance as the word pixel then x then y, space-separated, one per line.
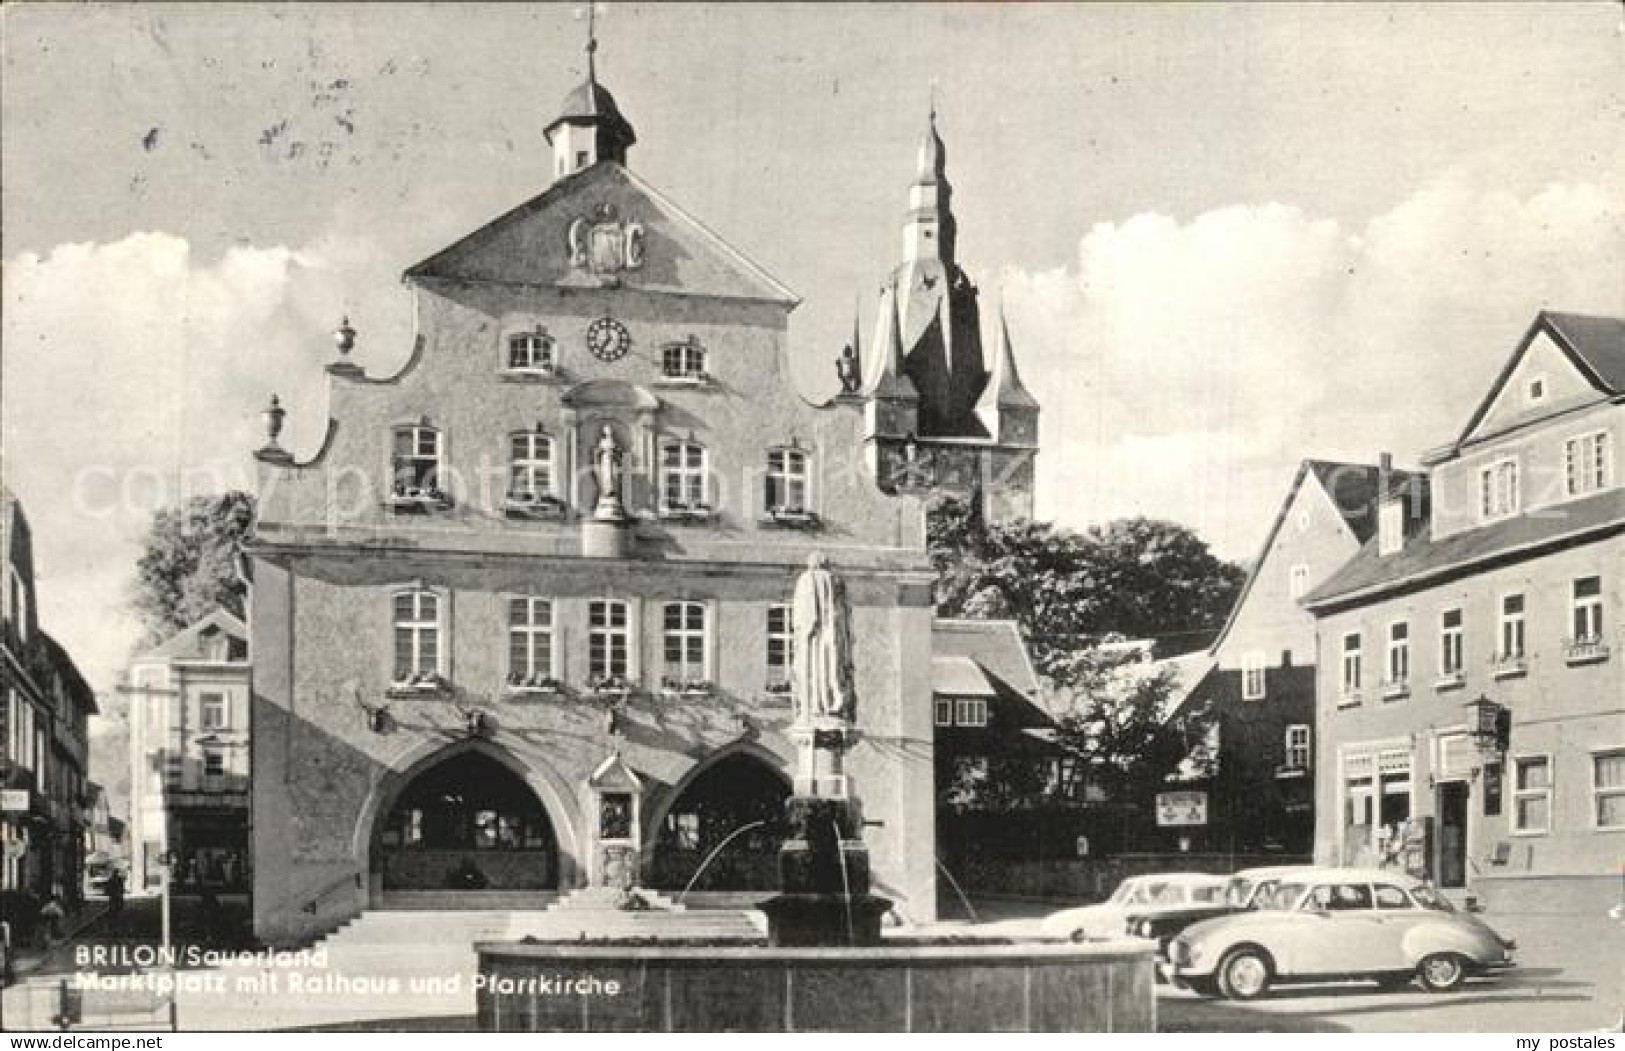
pixel 309 907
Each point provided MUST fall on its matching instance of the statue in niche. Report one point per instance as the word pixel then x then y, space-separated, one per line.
pixel 823 646
pixel 608 469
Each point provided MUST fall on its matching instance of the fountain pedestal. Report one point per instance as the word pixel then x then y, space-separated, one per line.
pixel 823 863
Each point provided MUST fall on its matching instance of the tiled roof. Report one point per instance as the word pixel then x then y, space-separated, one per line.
pixel 1352 488
pixel 1424 559
pixel 996 645
pixel 1595 345
pixel 987 658
pixel 960 677
pixel 1598 341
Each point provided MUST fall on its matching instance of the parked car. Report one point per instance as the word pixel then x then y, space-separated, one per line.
pixel 1242 891
pixel 1335 923
pixel 1140 896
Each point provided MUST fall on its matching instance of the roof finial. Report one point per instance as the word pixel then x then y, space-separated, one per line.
pixel 933 102
pixel 592 38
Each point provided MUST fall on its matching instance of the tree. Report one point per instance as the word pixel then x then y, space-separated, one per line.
pixel 1120 720
pixel 188 565
pixel 1073 594
pixel 1136 577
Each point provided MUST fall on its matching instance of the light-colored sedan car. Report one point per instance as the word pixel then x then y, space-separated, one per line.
pixel 1137 896
pixel 1331 923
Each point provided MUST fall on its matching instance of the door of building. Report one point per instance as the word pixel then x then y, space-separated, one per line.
pixel 1452 807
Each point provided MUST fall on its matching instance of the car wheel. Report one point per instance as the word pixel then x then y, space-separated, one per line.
pixel 1441 972
pixel 1244 975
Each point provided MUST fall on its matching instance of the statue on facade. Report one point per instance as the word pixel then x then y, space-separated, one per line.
pixel 823 646
pixel 607 469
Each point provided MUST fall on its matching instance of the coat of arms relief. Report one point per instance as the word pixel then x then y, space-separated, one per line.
pixel 604 244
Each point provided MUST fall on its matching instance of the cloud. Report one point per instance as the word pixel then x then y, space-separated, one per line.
pixel 134 377
pixel 1186 367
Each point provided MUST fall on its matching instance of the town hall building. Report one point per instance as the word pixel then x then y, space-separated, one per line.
pixel 521 624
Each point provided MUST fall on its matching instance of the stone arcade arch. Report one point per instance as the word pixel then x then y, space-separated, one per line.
pixel 715 800
pixel 465 816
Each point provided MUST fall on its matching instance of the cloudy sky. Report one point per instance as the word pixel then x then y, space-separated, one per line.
pixel 1227 237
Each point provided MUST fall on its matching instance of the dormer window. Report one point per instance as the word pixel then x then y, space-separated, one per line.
pixel 1498 490
pixel 683 361
pixel 531 352
pixel 1586 464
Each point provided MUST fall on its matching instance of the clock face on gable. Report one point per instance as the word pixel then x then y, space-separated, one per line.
pixel 608 339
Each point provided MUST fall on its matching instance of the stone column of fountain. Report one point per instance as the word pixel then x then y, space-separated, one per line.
pixel 824 894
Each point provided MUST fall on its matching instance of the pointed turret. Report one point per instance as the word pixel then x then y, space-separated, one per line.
pixel 1006 408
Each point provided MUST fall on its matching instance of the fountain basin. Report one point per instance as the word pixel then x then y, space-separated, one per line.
pixel 902 986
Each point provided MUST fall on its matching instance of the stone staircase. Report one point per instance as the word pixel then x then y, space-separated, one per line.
pixel 415 966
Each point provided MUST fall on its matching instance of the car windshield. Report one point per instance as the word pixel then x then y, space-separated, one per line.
pixel 1127 893
pixel 1239 892
pixel 1429 898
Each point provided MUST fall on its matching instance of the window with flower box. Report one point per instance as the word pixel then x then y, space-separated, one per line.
pixel 530 644
pixel 1586 645
pixel 417 639
pixel 609 642
pixel 417 466
pixel 684 646
pixel 530 470
pixel 786 489
pixel 683 489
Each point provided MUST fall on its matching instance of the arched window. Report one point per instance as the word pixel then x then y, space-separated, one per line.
pixel 417 461
pixel 417 637
pixel 683 361
pixel 786 489
pixel 683 476
pixel 530 467
pixel 531 352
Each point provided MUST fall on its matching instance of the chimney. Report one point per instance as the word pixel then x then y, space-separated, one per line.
pixel 1390 509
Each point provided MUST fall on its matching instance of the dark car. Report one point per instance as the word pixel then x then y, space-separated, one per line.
pixel 1243 892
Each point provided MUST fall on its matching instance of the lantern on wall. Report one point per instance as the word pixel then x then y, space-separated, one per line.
pixel 1489 725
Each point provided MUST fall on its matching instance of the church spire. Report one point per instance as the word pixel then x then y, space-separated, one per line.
pixel 929 228
pixel 589 127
